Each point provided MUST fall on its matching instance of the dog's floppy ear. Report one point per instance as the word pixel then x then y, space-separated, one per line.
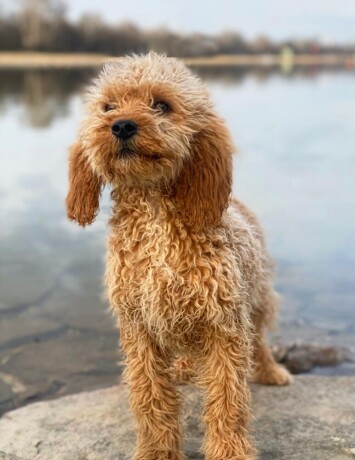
pixel 84 188
pixel 204 185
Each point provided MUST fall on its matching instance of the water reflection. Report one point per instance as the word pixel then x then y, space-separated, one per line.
pixel 42 94
pixel 296 138
pixel 234 75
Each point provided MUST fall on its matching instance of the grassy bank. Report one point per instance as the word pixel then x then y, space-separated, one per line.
pixel 62 60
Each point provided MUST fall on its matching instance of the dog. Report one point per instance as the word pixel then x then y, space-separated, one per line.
pixel 187 271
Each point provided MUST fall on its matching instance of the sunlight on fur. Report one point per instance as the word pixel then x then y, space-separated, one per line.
pixel 187 270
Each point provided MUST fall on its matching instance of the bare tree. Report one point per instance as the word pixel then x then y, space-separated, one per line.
pixel 35 18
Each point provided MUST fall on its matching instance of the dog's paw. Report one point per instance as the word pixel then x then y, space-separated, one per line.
pixel 157 455
pixel 273 375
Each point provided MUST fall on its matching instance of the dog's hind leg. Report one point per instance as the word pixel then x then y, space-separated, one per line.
pixel 266 370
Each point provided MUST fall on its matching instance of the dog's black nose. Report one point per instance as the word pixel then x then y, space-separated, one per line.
pixel 124 129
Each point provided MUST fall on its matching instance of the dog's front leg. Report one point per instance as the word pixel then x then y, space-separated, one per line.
pixel 154 398
pixel 222 373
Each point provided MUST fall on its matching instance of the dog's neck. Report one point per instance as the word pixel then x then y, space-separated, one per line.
pixel 134 202
pixel 152 204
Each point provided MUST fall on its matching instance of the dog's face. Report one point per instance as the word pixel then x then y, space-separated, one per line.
pixel 150 124
pixel 142 115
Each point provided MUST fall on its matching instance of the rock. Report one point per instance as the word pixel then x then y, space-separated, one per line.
pixel 312 419
pixel 300 358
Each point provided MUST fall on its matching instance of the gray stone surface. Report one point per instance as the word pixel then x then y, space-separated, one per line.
pixel 300 358
pixel 314 419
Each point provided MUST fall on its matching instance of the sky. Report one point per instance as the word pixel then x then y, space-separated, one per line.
pixel 328 20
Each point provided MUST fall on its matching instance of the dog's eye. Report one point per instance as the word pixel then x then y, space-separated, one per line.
pixel 161 106
pixel 108 107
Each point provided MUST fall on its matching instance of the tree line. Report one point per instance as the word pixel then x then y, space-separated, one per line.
pixel 42 25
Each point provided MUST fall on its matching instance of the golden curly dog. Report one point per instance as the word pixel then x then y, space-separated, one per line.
pixel 187 271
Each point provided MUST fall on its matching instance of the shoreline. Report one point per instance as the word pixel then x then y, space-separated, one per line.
pixel 16 389
pixel 23 60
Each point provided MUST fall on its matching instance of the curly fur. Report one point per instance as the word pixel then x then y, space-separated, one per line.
pixel 187 270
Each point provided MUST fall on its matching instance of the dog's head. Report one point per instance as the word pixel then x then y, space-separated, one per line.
pixel 150 123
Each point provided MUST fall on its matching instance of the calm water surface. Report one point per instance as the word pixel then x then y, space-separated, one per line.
pixel 295 168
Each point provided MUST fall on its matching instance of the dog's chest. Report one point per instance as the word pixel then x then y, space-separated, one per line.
pixel 159 275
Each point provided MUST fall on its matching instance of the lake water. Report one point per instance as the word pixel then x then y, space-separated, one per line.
pixel 295 169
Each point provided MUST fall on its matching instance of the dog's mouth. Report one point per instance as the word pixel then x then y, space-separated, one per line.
pixel 126 153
